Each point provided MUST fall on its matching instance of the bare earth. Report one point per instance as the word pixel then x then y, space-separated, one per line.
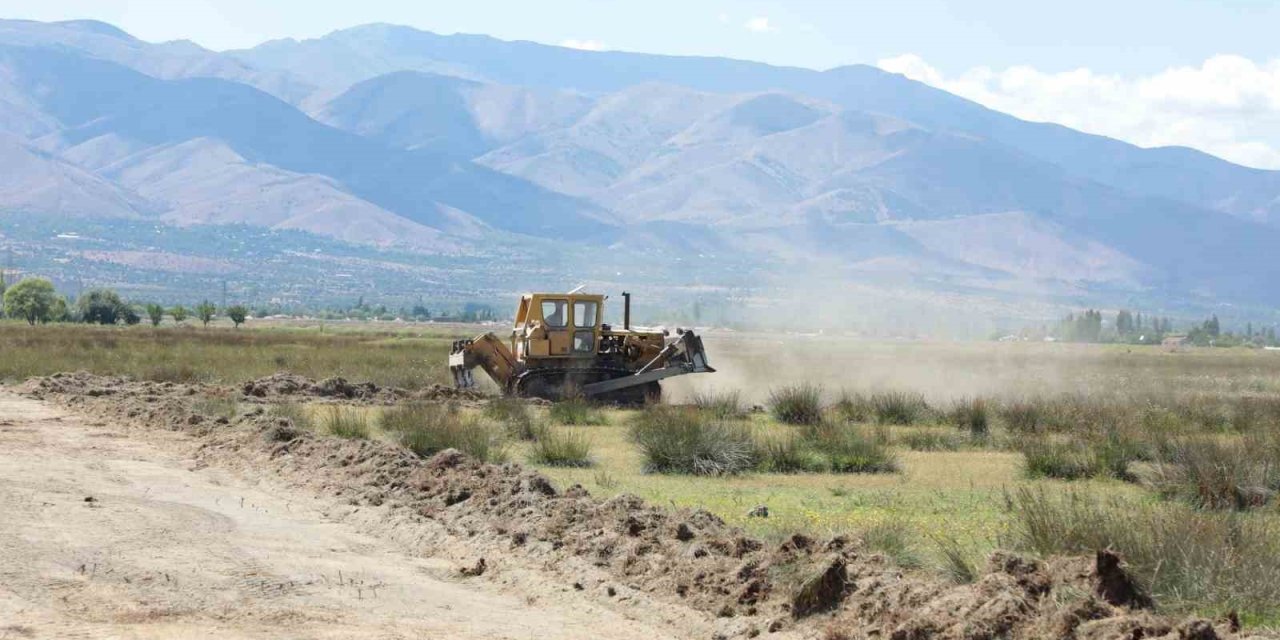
pixel 108 532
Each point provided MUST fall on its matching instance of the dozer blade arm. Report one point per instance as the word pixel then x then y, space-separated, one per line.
pixel 682 355
pixel 486 352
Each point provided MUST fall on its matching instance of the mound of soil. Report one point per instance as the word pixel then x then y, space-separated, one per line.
pixel 283 385
pixel 622 544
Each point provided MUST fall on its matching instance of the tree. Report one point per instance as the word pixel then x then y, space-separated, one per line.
pixel 130 315
pixel 179 314
pixel 205 311
pixel 3 287
pixel 59 312
pixel 101 306
pixel 237 314
pixel 32 300
pixel 156 313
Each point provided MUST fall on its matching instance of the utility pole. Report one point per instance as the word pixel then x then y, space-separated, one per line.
pixel 224 294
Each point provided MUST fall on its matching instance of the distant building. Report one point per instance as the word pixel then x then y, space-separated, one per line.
pixel 1174 342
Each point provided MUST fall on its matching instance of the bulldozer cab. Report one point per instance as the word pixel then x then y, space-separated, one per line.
pixel 557 325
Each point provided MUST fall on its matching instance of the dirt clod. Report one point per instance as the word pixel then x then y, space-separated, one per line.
pixel 821 592
pixel 474 570
pixel 1115 585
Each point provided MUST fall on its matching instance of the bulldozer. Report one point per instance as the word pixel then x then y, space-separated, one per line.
pixel 561 347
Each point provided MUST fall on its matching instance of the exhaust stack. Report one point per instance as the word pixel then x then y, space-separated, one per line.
pixel 626 310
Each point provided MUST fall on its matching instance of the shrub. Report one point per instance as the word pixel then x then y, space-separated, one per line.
pixel 179 314
pixel 899 407
pixel 155 313
pixel 514 416
pixel 797 404
pixel 346 422
pixel 237 314
pixel 561 448
pixel 972 415
pixel 725 405
pixel 205 312
pixel 1189 560
pixel 577 412
pixel 684 440
pixel 429 428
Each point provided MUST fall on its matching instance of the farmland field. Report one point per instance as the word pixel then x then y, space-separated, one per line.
pixel 1170 457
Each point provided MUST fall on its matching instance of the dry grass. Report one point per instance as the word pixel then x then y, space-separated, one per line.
pixel 1189 560
pixel 190 354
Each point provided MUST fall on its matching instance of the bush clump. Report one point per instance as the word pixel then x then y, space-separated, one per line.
pixel 428 428
pixel 797 404
pixel 685 440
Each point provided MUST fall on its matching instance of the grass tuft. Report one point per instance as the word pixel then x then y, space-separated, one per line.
pixel 723 405
pixel 561 448
pixel 577 412
pixel 685 440
pixel 797 404
pixel 429 428
pixel 346 422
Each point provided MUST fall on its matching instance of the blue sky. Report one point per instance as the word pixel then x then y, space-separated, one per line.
pixel 1153 72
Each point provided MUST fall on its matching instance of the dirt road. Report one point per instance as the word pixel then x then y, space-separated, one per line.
pixel 109 532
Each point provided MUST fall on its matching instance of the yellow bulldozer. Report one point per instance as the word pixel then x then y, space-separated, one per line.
pixel 561 347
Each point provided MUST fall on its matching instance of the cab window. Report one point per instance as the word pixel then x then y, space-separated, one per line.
pixel 584 341
pixel 584 315
pixel 555 313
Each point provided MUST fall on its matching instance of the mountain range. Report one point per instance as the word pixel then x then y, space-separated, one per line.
pixel 752 175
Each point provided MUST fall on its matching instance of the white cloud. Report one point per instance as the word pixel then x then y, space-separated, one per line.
pixel 723 18
pixel 759 25
pixel 585 45
pixel 1228 106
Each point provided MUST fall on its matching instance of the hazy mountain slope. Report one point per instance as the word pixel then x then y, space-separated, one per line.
pixel 359 53
pixel 203 181
pixel 416 110
pixel 35 181
pixel 92 98
pixel 773 161
pixel 181 59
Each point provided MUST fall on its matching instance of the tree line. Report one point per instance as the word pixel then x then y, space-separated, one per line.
pixel 36 301
pixel 1136 328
